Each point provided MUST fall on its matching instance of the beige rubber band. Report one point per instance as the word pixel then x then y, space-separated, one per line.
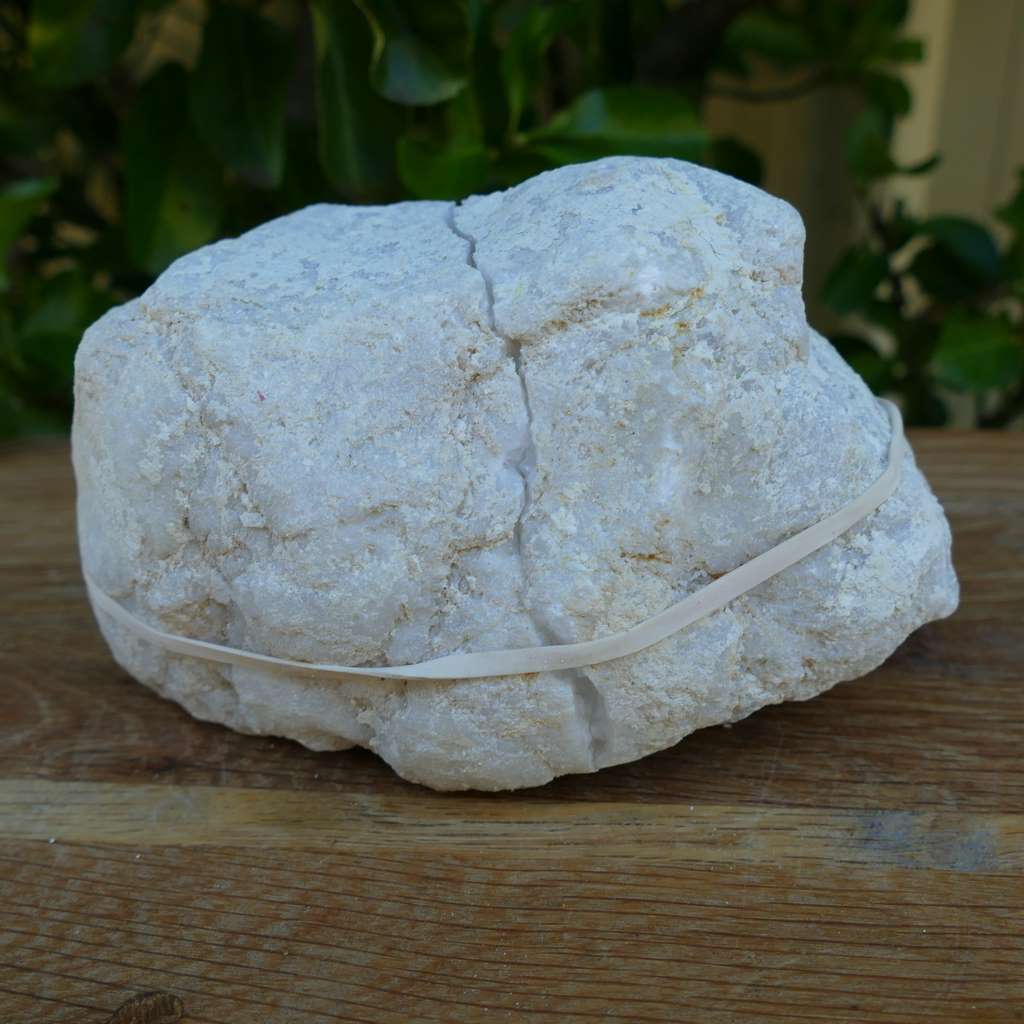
pixel 517 661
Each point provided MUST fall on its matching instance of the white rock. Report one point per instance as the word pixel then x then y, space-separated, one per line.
pixel 379 435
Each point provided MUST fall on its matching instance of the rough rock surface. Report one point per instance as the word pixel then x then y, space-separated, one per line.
pixel 379 435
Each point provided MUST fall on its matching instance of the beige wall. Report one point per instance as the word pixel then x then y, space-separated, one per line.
pixel 969 105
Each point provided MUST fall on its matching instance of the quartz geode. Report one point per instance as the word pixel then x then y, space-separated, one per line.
pixel 377 435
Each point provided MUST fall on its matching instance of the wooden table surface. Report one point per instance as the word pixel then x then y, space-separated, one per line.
pixel 858 857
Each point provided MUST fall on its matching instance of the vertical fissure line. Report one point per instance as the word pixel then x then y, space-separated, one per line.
pixel 589 699
pixel 526 457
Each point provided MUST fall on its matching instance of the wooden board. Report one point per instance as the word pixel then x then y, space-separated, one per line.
pixel 858 857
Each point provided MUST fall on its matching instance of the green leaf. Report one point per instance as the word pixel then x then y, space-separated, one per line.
pixel 885 314
pixel 962 258
pixel 976 353
pixel 873 367
pixel 1012 214
pixel 867 147
pixel 633 119
pixel 612 36
pixel 304 182
pixel 59 309
pixel 871 35
pixel 898 226
pixel 523 57
pixel 830 26
pixel 9 356
pixel 487 87
pixel 929 163
pixel 969 242
pixel 890 13
pixel 513 166
pixel 940 274
pixel 19 203
pixel 780 39
pixel 852 282
pixel 1013 263
pixel 63 304
pixel 905 51
pixel 26 123
pixel 451 170
pixel 420 50
pixel 237 92
pixel 72 41
pixel 460 120
pixel 887 92
pixel 730 156
pixel 173 187
pixel 357 128
pixel 10 413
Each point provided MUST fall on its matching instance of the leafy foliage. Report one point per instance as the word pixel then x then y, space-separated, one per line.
pixel 237 93
pixel 622 119
pixel 174 187
pixel 938 305
pixel 420 51
pixel 132 131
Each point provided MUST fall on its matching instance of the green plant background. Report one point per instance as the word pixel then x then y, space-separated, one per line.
pixel 133 131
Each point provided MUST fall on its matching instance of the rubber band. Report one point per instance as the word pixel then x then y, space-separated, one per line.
pixel 552 658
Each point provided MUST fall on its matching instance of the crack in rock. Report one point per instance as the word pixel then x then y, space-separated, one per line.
pixel 590 703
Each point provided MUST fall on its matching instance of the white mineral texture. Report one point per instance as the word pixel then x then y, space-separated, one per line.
pixel 378 435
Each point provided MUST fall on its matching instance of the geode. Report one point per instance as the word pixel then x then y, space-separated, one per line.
pixel 378 435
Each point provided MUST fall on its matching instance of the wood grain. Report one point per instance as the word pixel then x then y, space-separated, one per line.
pixel 858 857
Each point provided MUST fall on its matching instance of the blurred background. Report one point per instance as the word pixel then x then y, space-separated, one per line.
pixel 132 131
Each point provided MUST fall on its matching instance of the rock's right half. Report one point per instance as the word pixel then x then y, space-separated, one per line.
pixel 684 418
